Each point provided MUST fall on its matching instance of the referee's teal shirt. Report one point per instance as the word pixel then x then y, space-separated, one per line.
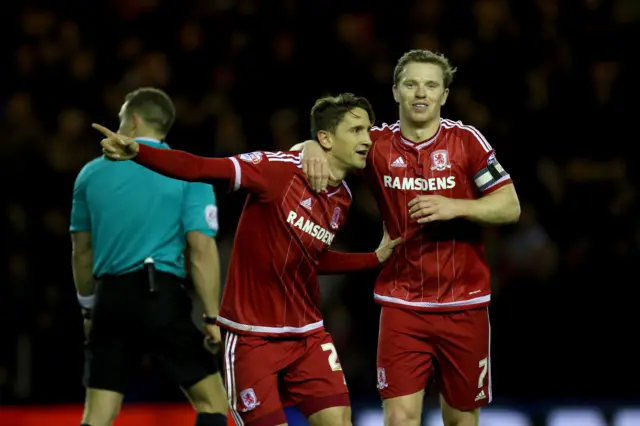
pixel 134 213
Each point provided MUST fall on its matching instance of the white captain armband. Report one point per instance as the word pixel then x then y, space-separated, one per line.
pixel 492 174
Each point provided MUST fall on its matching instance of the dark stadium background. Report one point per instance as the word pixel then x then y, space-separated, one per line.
pixel 551 84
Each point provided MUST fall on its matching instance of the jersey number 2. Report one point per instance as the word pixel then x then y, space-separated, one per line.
pixel 333 356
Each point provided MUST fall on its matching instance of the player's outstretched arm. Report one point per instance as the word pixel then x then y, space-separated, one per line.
pixel 172 163
pixel 184 166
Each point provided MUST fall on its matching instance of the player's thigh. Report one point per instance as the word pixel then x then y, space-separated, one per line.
pixel 405 353
pixel 463 354
pixel 251 365
pixel 316 382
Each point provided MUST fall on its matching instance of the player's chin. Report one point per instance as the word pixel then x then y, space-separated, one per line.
pixel 421 116
pixel 359 161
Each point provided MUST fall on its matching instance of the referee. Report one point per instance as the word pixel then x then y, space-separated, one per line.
pixel 129 228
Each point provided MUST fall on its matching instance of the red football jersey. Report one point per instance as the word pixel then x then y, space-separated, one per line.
pixel 441 265
pixel 272 287
pixel 281 242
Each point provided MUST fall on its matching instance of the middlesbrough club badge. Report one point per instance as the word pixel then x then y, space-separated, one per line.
pixel 440 160
pixel 335 219
pixel 249 400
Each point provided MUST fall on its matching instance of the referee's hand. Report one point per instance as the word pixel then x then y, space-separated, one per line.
pixel 213 340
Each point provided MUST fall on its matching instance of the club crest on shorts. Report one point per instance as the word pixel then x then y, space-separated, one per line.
pixel 251 157
pixel 382 378
pixel 335 219
pixel 440 160
pixel 249 400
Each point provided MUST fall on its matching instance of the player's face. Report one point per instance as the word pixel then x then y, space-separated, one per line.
pixel 420 92
pixel 351 139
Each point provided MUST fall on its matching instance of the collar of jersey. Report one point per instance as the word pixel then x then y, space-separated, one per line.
pixel 408 145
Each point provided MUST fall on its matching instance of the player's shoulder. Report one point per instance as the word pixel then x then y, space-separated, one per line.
pixel 466 133
pixel 284 159
pixel 458 128
pixel 385 130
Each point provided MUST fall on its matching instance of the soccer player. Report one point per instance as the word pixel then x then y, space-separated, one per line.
pixel 437 181
pixel 276 349
pixel 122 216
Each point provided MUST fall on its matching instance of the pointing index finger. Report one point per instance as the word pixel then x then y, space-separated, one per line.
pixel 108 133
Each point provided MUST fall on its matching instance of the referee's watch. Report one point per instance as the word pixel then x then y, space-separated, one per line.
pixel 209 320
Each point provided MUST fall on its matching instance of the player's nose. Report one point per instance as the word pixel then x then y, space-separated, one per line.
pixel 366 142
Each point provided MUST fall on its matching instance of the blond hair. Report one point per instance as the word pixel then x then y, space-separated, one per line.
pixel 425 57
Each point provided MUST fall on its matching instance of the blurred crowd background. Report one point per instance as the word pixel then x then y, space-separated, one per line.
pixel 550 83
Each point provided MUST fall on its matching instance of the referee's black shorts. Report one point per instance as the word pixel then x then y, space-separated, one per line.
pixel 129 321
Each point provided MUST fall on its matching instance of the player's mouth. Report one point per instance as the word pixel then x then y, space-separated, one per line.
pixel 362 152
pixel 420 106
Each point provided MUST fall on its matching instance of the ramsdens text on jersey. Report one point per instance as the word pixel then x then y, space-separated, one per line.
pixel 419 184
pixel 313 229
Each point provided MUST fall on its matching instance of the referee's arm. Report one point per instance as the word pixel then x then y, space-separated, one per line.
pixel 200 222
pixel 204 268
pixel 81 246
pixel 82 262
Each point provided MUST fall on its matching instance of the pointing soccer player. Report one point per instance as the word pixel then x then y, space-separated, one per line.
pixel 276 349
pixel 437 182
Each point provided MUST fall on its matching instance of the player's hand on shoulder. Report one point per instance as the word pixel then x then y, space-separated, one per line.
pixel 431 208
pixel 387 245
pixel 116 147
pixel 315 165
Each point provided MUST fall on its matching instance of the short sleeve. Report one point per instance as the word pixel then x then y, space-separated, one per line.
pixel 487 173
pixel 80 215
pixel 260 172
pixel 199 209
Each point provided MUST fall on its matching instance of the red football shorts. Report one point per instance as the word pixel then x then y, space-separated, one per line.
pixel 262 375
pixel 454 345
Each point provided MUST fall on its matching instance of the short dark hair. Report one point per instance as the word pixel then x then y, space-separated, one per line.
pixel 425 57
pixel 154 106
pixel 329 111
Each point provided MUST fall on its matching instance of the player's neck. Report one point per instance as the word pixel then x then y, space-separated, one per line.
pixel 418 133
pixel 337 169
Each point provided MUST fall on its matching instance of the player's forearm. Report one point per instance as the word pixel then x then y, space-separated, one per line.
pixel 205 273
pixel 334 262
pixel 498 208
pixel 82 265
pixel 184 166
